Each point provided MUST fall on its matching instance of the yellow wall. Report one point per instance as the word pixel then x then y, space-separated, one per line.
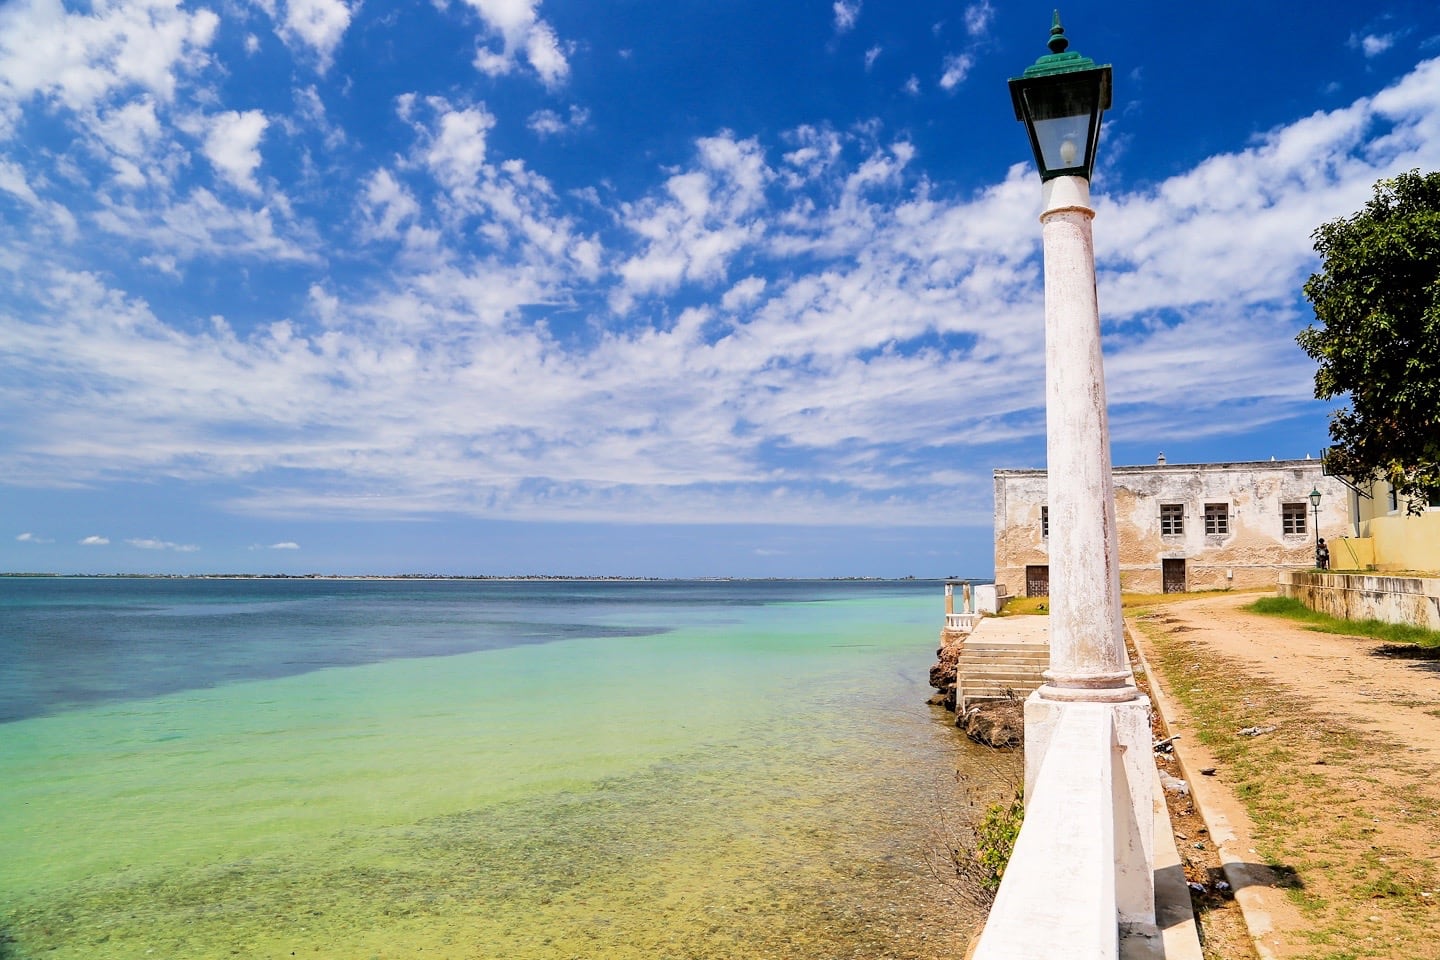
pixel 1407 543
pixel 1352 553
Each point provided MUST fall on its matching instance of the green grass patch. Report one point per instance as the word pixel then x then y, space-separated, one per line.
pixel 1397 633
pixel 1024 606
pixel 1128 601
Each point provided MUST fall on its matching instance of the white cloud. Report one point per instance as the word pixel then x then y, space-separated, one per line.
pixel 79 58
pixel 456 152
pixel 707 215
pixel 956 68
pixel 317 24
pixel 519 28
pixel 232 145
pixel 743 294
pixel 388 206
pixel 1372 45
pixel 871 56
pixel 285 545
pixel 978 17
pixel 32 538
pixel 14 182
pixel 548 123
pixel 912 86
pixel 94 541
pixel 151 543
pixel 849 331
pixel 201 225
pixel 845 15
pixel 310 114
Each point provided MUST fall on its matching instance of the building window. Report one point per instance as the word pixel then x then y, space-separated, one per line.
pixel 1292 517
pixel 1217 518
pixel 1045 521
pixel 1394 500
pixel 1172 519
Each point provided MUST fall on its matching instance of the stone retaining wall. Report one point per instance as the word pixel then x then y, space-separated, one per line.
pixel 1363 596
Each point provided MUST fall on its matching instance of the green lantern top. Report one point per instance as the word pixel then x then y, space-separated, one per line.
pixel 1059 59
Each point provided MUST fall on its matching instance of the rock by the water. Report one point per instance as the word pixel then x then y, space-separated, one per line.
pixel 995 723
pixel 947 659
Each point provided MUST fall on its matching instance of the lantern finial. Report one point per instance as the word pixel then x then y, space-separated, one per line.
pixel 1058 41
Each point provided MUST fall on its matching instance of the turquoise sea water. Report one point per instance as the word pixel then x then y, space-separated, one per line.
pixel 207 768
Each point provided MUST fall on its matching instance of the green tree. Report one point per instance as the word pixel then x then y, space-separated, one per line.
pixel 1377 297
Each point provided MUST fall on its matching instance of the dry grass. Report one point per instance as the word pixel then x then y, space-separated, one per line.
pixel 1343 813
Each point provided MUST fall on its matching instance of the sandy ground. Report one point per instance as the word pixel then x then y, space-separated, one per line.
pixel 1393 702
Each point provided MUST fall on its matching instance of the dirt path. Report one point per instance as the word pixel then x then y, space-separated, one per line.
pixel 1342 793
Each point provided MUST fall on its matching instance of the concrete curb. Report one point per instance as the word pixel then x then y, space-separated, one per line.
pixel 1179 933
pixel 1249 881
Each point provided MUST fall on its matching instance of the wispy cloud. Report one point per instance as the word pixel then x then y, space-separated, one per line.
pixel 549 123
pixel 846 14
pixel 1372 45
pixel 521 32
pixel 805 329
pixel 94 541
pixel 152 543
pixel 233 146
pixel 955 69
pixel 318 25
pixel 32 538
pixel 285 545
pixel 978 17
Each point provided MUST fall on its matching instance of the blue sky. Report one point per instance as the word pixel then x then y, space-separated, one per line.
pixel 641 287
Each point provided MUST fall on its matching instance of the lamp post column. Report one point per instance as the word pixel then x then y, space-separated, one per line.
pixel 1087 645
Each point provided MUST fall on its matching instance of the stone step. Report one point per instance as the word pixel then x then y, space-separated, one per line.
pixel 1004 655
pixel 1005 676
pixel 970 697
pixel 1018 648
pixel 995 671
pixel 992 663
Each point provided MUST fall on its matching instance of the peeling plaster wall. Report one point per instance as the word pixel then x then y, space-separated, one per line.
pixel 1351 596
pixel 1248 555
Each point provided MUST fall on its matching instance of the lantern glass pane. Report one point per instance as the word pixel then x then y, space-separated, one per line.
pixel 1063 141
pixel 1059 111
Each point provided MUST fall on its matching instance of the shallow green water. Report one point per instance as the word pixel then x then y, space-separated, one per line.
pixel 759 783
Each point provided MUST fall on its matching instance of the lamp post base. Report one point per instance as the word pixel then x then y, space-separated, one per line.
pixel 1094 688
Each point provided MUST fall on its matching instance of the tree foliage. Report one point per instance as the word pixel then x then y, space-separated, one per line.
pixel 1377 298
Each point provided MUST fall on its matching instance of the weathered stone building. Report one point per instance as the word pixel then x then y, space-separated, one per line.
pixel 1208 526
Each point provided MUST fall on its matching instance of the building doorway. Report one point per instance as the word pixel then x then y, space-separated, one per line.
pixel 1037 580
pixel 1172 575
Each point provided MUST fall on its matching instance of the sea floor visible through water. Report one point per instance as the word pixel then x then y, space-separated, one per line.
pixel 684 770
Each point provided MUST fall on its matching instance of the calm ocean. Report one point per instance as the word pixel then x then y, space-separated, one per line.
pixel 473 769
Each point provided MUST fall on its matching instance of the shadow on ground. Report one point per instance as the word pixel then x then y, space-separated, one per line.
pixel 1407 651
pixel 1421 658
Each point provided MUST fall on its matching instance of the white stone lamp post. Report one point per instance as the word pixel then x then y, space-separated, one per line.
pixel 1089 771
pixel 1060 98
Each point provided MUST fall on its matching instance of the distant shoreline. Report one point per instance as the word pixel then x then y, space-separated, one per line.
pixel 462 577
